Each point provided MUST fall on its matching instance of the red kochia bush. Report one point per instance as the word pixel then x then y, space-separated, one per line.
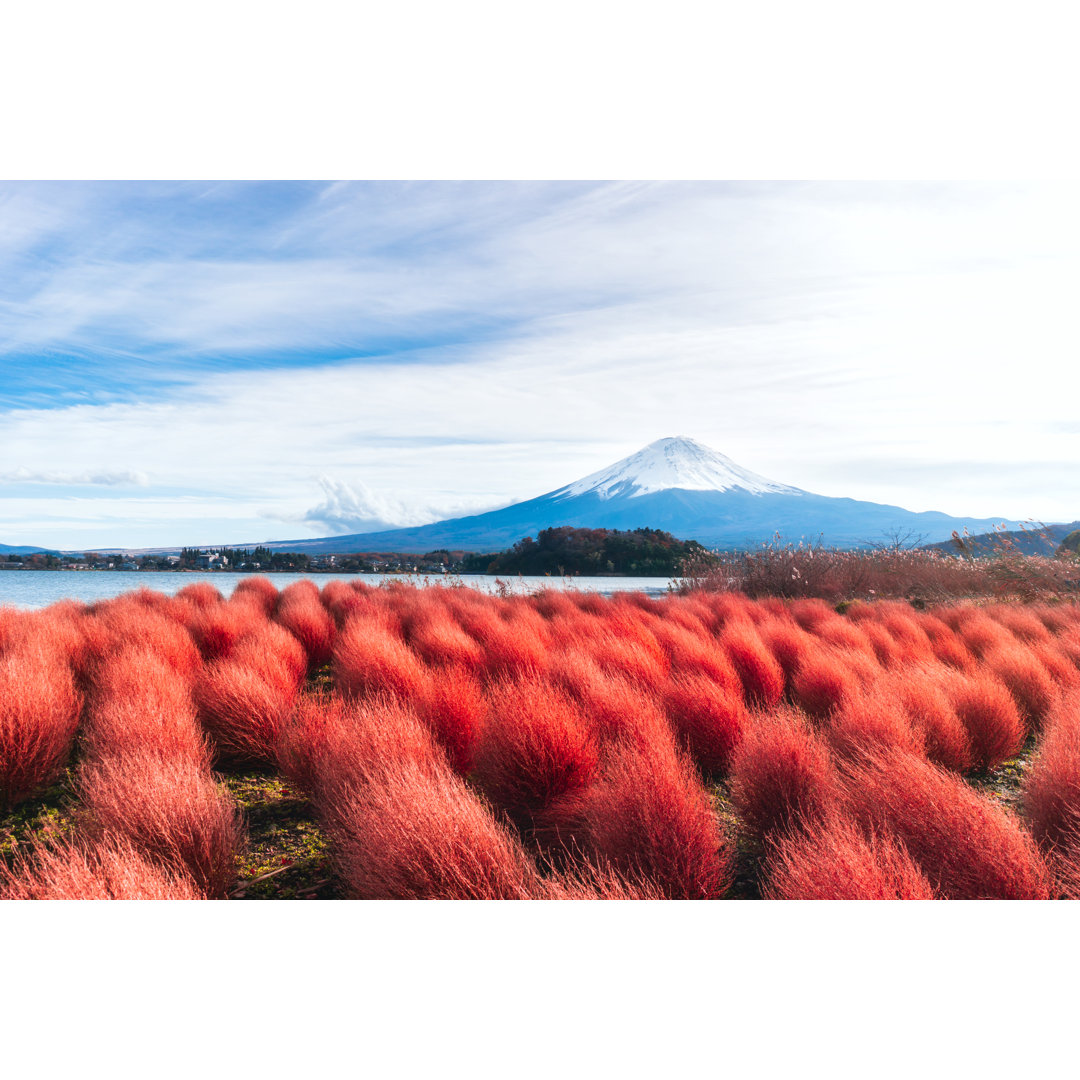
pixel 123 621
pixel 243 709
pixel 835 860
pixel 345 599
pixel 887 650
pixel 1024 624
pixel 843 633
pixel 170 810
pixel 696 652
pixel 553 604
pixel 401 824
pixel 1051 788
pixel 1058 665
pixel 1055 619
pixel 219 628
pixel 454 707
pixel 789 643
pixel 989 715
pixel 629 659
pixel 781 774
pixel 274 654
pixel 510 648
pixel 762 677
pixel 11 624
pixel 821 683
pixel 260 591
pixel 588 880
pixel 870 719
pixel 979 632
pixel 649 818
pixel 419 833
pixel 535 748
pixel 332 746
pixel 439 640
pixel 301 612
pixel 919 692
pixel 1027 680
pixel 708 718
pixel 369 660
pixel 139 702
pixel 966 846
pixel 944 642
pixel 78 869
pixel 58 629
pixel 39 714
pixel 199 594
pixel 614 709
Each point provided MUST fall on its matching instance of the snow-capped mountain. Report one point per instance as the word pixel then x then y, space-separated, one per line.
pixel 672 463
pixel 678 485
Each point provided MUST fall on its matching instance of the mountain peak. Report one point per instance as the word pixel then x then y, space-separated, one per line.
pixel 676 462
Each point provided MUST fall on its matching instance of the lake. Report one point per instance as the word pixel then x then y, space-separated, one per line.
pixel 39 588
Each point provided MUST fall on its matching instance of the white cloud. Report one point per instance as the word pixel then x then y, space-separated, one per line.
pixel 355 508
pixel 102 478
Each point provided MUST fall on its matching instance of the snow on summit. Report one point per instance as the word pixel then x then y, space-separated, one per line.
pixel 673 463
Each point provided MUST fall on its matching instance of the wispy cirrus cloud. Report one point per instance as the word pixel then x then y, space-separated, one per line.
pixel 101 478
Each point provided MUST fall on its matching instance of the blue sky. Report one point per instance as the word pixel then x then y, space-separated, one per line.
pixel 235 362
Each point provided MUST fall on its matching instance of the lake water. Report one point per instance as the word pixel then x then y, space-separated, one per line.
pixel 39 588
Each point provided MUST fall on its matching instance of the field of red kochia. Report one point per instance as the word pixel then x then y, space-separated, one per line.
pixel 561 745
